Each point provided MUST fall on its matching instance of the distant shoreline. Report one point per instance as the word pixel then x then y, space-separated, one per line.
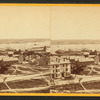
pixel 75 41
pixel 8 41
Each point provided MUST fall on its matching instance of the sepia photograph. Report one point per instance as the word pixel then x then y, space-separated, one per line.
pixel 75 50
pixel 50 49
pixel 24 49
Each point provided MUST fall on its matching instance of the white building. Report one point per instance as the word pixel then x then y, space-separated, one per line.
pixel 61 69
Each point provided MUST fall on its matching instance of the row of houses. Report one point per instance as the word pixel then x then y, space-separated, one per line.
pixel 35 56
pixel 39 55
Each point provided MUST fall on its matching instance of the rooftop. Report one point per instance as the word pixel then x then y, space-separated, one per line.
pixel 56 63
pixel 6 58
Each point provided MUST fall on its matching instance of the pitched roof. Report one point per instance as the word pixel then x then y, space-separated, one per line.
pixel 10 59
pixel 86 60
pixel 62 62
pixel 6 58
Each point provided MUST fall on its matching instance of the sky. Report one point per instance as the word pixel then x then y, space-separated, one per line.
pixel 20 22
pixel 75 23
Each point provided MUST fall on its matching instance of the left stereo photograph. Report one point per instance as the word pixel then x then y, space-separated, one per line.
pixel 24 49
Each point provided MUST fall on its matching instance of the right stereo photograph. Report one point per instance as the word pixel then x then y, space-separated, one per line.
pixel 75 49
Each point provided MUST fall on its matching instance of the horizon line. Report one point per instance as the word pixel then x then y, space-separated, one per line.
pixel 20 38
pixel 75 39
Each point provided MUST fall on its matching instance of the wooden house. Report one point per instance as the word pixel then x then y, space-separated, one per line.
pixel 60 70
